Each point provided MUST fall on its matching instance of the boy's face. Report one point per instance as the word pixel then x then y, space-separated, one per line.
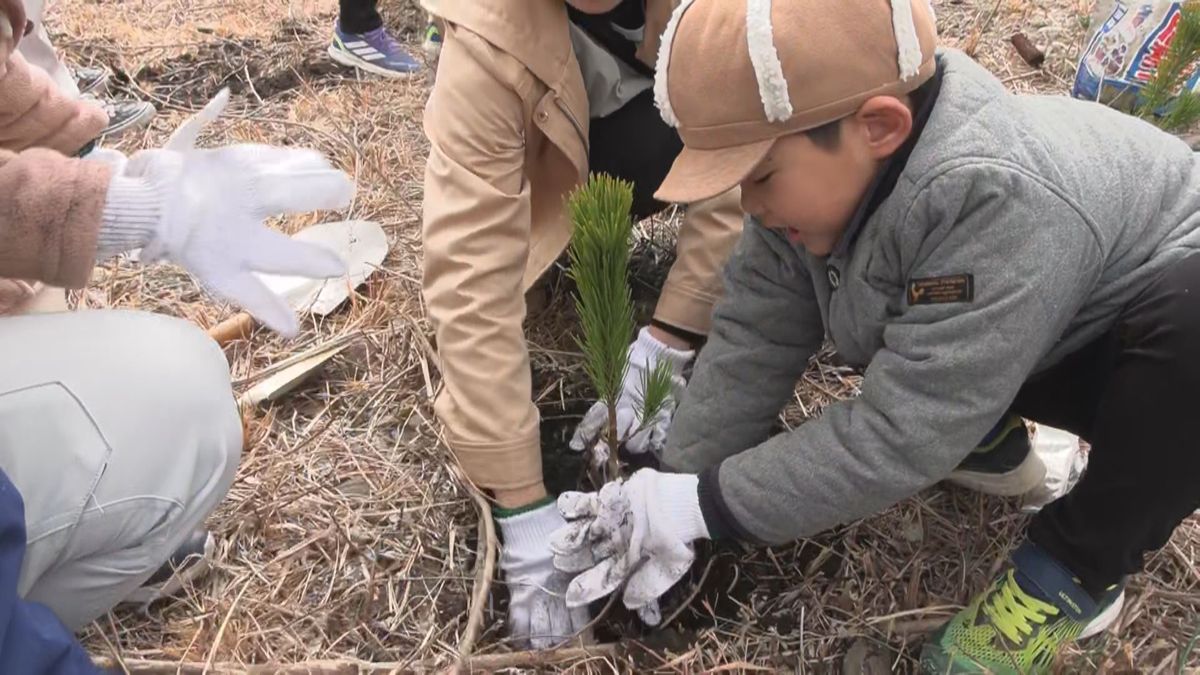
pixel 810 192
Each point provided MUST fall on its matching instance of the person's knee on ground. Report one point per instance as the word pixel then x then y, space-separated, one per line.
pixel 157 392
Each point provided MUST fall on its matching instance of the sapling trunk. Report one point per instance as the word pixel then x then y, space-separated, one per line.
pixel 599 254
pixel 599 265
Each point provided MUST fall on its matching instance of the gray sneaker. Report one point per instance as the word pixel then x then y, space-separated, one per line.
pixel 91 80
pixel 125 115
pixel 190 561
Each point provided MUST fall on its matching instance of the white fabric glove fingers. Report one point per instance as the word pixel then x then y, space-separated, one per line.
pixel 652 438
pixel 571 538
pixel 626 421
pixel 575 561
pixel 600 454
pixel 580 618
pixel 589 427
pixel 185 136
pixel 286 191
pixel 597 582
pixel 649 613
pixel 542 633
pixel 518 618
pixel 654 578
pixel 575 505
pixel 273 252
pixel 246 291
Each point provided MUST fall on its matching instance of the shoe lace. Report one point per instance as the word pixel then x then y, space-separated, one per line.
pixel 1016 613
pixel 389 42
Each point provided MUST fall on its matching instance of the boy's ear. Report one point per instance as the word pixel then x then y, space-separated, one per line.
pixel 887 123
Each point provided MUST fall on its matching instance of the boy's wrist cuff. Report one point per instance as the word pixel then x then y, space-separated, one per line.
pixel 501 512
pixel 131 216
pixel 680 499
pixel 649 349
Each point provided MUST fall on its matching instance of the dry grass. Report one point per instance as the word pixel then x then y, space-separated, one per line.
pixel 348 536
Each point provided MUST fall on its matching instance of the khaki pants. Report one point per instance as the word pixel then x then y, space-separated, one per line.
pixel 121 433
pixel 38 51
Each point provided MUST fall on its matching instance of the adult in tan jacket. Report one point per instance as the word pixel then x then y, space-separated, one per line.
pixel 531 96
pixel 119 429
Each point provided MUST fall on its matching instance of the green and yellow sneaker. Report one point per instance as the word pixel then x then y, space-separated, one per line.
pixel 1019 625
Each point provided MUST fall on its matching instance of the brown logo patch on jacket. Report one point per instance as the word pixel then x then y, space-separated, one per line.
pixel 941 290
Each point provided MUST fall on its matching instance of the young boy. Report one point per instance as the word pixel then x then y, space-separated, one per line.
pixel 975 251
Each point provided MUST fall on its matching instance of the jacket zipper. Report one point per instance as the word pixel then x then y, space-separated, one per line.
pixel 574 122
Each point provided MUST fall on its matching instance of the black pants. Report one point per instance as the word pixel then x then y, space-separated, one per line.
pixel 358 16
pixel 635 144
pixel 1133 395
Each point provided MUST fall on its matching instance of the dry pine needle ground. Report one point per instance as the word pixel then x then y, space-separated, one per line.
pixel 347 536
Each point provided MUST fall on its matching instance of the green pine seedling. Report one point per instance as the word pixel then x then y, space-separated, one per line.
pixel 599 255
pixel 1182 109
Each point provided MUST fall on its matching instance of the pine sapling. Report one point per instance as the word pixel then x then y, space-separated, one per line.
pixel 599 255
pixel 1165 100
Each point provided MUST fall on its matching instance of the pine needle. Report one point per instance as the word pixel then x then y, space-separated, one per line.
pixel 599 255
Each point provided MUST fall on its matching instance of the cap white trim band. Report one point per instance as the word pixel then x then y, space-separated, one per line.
pixel 662 97
pixel 768 70
pixel 908 44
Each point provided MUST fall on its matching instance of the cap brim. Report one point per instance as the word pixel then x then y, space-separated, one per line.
pixel 698 175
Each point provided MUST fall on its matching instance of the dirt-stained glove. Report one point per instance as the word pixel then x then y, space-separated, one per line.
pixel 204 209
pixel 640 530
pixel 538 614
pixel 645 354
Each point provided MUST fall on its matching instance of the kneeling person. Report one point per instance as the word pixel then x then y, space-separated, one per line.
pixel 975 251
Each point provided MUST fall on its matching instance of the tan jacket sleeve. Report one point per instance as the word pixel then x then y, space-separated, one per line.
pixel 34 113
pixel 709 231
pixel 50 214
pixel 476 240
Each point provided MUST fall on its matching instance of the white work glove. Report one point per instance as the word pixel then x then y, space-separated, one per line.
pixel 537 608
pixel 204 209
pixel 645 354
pixel 1064 460
pixel 640 529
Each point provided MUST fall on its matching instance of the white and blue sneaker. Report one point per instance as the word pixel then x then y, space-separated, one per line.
pixel 374 52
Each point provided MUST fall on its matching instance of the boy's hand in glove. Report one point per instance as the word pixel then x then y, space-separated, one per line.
pixel 538 614
pixel 640 529
pixel 204 209
pixel 645 354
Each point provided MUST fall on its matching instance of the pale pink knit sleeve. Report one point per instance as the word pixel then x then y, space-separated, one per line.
pixel 51 209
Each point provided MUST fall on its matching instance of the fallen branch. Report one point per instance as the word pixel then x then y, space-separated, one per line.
pixel 485 569
pixel 538 658
pixel 483 662
pixel 1028 51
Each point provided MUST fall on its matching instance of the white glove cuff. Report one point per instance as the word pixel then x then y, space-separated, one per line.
pixel 679 497
pixel 530 531
pixel 648 350
pixel 131 216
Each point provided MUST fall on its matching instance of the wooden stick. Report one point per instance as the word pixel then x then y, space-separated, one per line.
pixel 236 327
pixel 483 662
pixel 1028 51
pixel 485 569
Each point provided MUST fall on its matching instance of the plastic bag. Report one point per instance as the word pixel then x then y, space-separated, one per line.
pixel 1124 52
pixel 1065 461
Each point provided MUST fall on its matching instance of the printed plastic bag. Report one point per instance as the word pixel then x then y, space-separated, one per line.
pixel 1065 461
pixel 1124 53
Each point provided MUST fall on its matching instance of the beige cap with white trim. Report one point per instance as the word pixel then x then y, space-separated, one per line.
pixel 734 75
